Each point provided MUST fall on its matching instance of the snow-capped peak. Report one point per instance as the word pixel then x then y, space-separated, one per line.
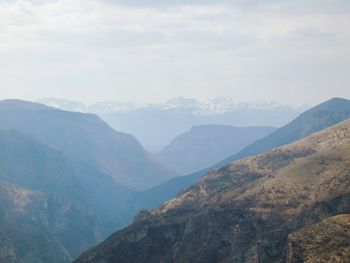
pixel 63 104
pixel 211 107
pixel 216 106
pixel 112 106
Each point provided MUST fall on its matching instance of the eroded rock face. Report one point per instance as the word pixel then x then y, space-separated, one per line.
pixel 7 252
pixel 328 241
pixel 40 228
pixel 245 211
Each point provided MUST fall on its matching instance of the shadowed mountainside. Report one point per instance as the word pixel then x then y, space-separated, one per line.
pixel 87 138
pixel 33 223
pixel 205 145
pixel 7 252
pixel 53 207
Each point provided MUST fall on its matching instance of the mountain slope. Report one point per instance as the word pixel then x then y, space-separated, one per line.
pixel 320 117
pixel 204 146
pixel 327 241
pixel 87 138
pixel 244 211
pixel 51 201
pixel 7 252
pixel 25 221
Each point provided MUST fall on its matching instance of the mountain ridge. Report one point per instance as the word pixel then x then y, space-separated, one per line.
pixel 85 137
pixel 153 197
pixel 214 106
pixel 205 145
pixel 155 125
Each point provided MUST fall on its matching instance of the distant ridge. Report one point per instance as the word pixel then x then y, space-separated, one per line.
pixel 205 145
pixel 15 104
pixel 156 125
pixel 85 137
pixel 318 118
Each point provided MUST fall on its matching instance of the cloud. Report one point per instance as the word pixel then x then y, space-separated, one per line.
pixel 98 23
pixel 150 50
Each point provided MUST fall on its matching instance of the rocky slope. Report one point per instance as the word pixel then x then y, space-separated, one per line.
pixel 7 252
pixel 328 241
pixel 32 224
pixel 205 145
pixel 53 207
pixel 244 211
pixel 87 138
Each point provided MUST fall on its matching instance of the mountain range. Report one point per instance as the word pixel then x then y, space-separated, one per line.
pixel 87 138
pixel 68 180
pixel 64 181
pixel 319 117
pixel 214 106
pixel 259 209
pixel 156 125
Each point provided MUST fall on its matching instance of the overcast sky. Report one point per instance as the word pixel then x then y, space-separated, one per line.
pixel 292 51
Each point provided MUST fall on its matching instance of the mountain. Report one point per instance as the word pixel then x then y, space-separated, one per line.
pixel 215 106
pixel 87 138
pixel 205 145
pixel 63 104
pixel 323 115
pixel 156 125
pixel 319 117
pixel 52 206
pixel 105 107
pixel 245 211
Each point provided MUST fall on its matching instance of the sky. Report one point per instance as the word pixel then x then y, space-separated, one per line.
pixel 291 51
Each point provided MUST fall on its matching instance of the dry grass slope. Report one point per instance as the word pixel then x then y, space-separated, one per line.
pixel 328 241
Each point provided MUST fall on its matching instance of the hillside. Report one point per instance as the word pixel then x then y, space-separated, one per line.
pixel 87 138
pixel 319 117
pixel 205 145
pixel 7 252
pixel 327 241
pixel 244 211
pixel 29 218
pixel 53 203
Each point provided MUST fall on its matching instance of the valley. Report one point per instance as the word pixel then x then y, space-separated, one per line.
pixel 68 181
pixel 174 131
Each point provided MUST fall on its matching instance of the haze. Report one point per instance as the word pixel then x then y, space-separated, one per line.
pixel 147 51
